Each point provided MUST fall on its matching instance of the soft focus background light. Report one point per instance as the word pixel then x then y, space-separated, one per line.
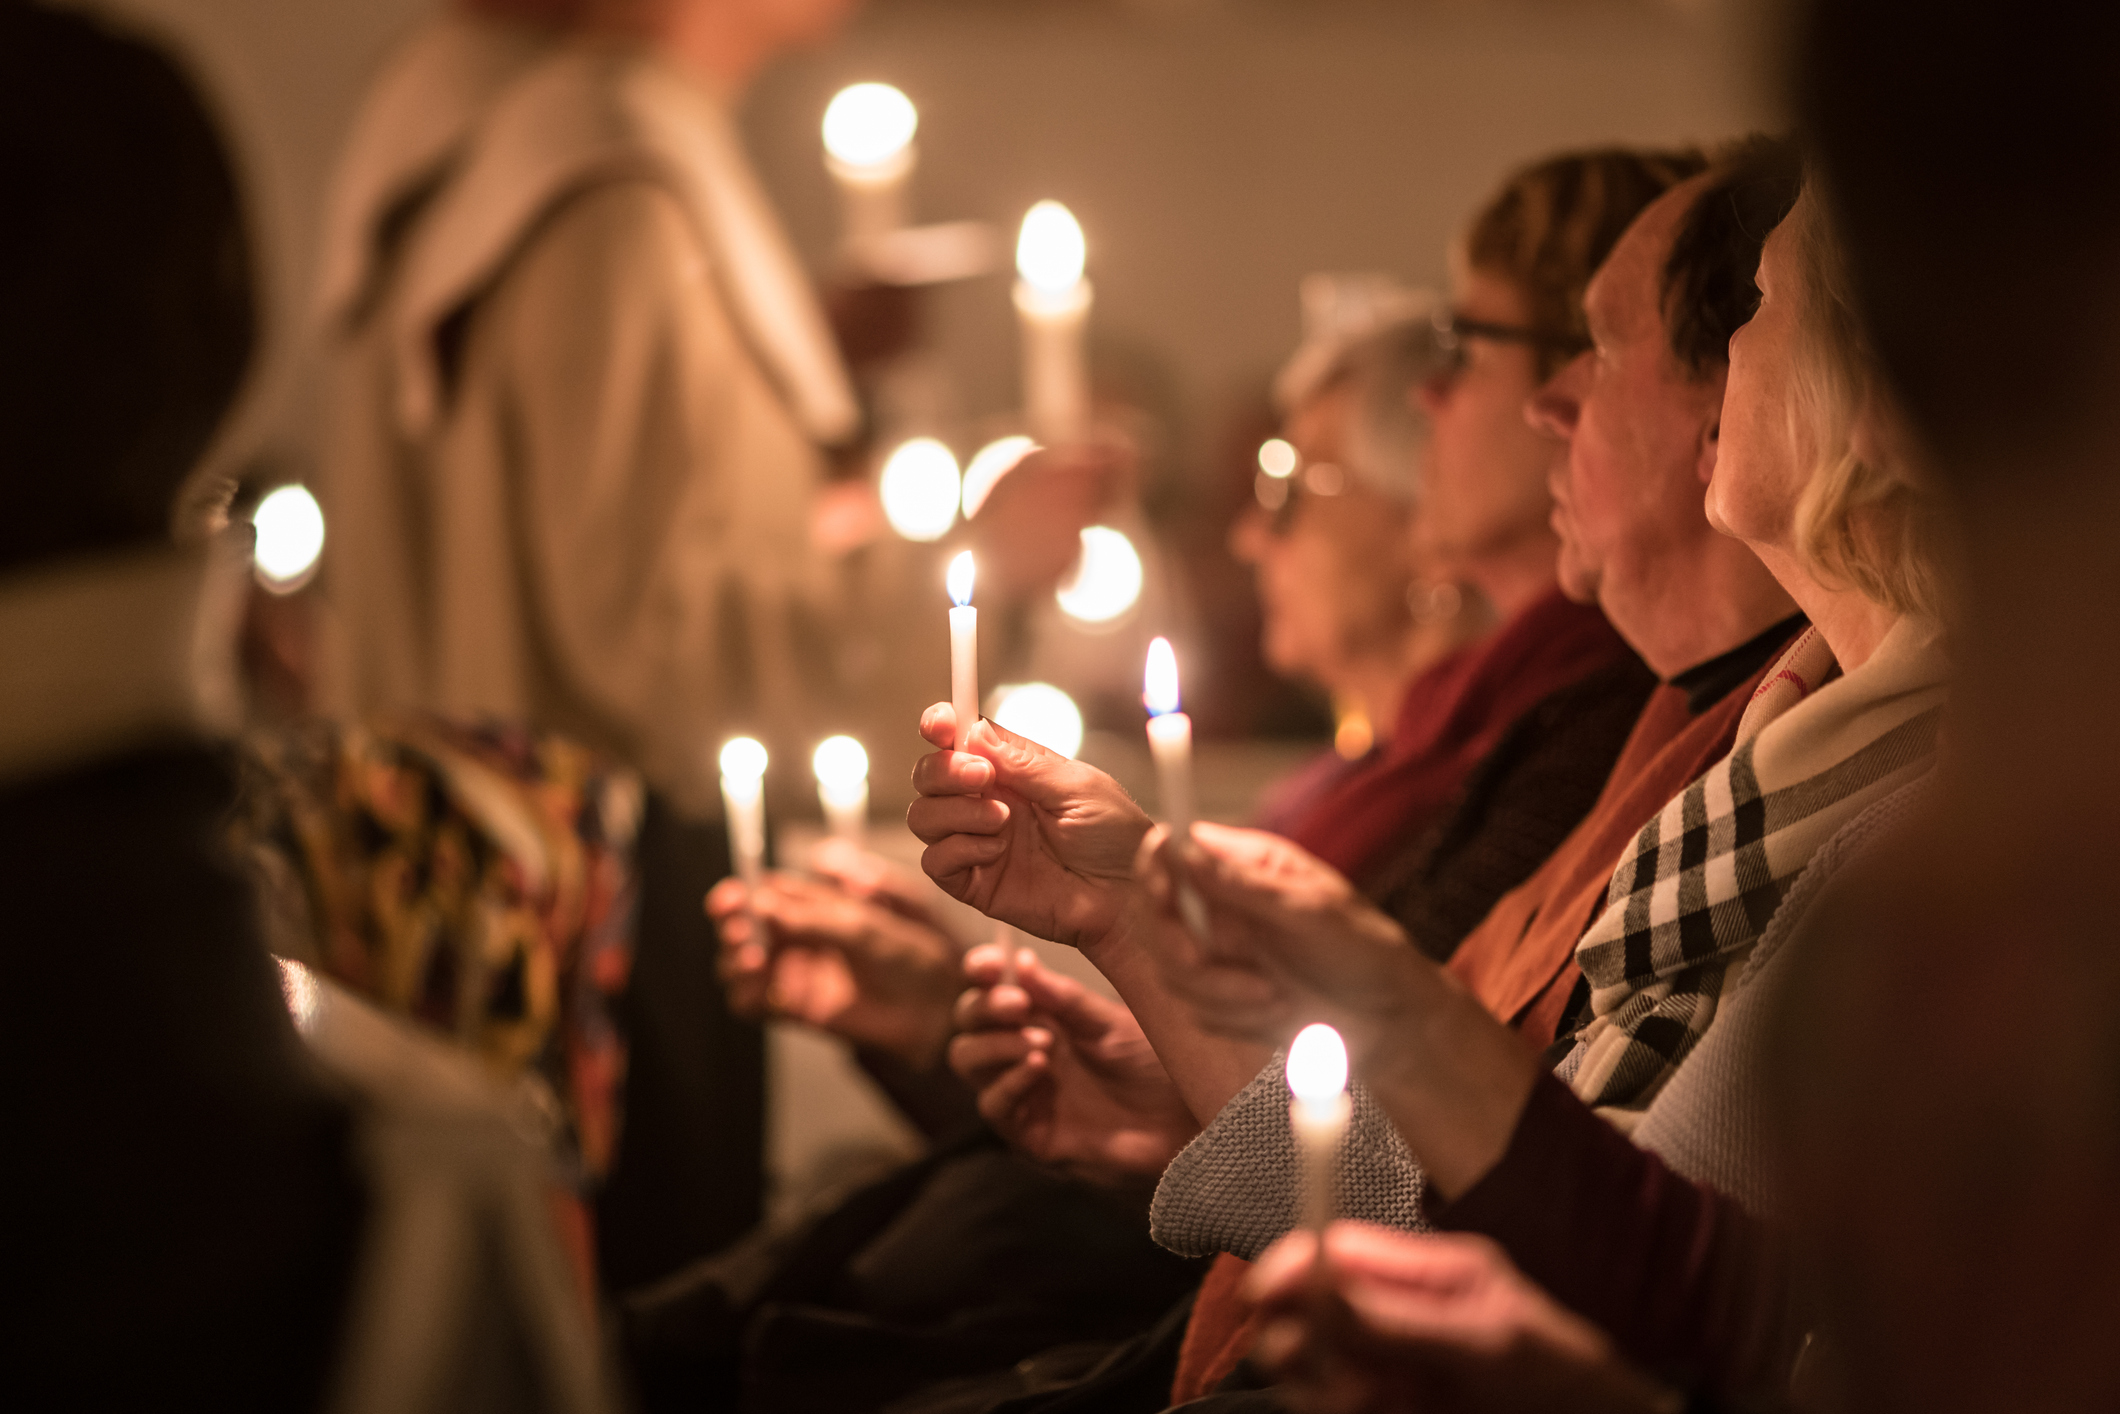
pixel 920 489
pixel 1277 458
pixel 988 465
pixel 1107 580
pixel 840 763
pixel 743 759
pixel 1040 711
pixel 869 124
pixel 290 528
pixel 1050 251
pixel 1317 1064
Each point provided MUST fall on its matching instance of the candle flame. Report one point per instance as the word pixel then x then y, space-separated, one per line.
pixel 869 124
pixel 1317 1064
pixel 290 537
pixel 840 763
pixel 959 579
pixel 743 759
pixel 1050 252
pixel 1159 682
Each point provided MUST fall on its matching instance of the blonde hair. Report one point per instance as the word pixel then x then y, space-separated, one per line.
pixel 1870 524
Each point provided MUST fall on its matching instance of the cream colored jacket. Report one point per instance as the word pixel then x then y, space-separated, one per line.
pixel 578 383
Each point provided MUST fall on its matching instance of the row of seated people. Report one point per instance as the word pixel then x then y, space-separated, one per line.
pixel 1588 832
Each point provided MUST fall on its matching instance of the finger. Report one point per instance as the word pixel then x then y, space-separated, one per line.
pixel 945 773
pixel 1282 1271
pixel 999 1007
pixel 934 818
pixel 1002 1100
pixel 980 1057
pixel 951 860
pixel 938 725
pixel 725 898
pixel 1083 1014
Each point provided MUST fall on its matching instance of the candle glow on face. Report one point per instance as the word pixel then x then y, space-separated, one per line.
pixel 1159 680
pixel 869 125
pixel 959 579
pixel 743 761
pixel 988 465
pixel 919 489
pixel 1050 250
pixel 1317 1064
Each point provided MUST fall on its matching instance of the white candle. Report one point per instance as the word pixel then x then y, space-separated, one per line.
pixel 743 773
pixel 1052 303
pixel 868 143
pixel 1170 743
pixel 964 648
pixel 1317 1074
pixel 842 770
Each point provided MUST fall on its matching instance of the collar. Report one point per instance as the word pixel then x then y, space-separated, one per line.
pixel 117 651
pixel 1706 684
pixel 596 110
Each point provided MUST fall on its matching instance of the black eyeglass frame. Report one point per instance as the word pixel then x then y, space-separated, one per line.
pixel 1452 329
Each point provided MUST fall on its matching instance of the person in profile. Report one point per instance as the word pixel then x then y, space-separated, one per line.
pixel 228 1184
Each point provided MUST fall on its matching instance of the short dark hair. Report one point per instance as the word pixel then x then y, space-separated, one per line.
pixel 1709 290
pixel 125 281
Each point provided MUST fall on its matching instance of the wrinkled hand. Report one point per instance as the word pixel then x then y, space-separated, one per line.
pixel 1023 834
pixel 1439 1323
pixel 1291 941
pixel 811 951
pixel 1028 531
pixel 1064 1074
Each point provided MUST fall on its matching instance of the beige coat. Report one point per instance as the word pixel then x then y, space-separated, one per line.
pixel 578 386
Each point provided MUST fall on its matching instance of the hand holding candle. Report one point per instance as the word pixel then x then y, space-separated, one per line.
pixel 743 795
pixel 964 647
pixel 1317 1074
pixel 1170 743
pixel 842 770
pixel 1052 303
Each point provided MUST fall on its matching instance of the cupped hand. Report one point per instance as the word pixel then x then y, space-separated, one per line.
pixel 1441 1323
pixel 1065 1074
pixel 1024 834
pixel 807 950
pixel 1290 941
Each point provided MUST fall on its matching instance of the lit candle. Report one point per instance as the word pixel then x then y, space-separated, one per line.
pixel 964 648
pixel 1052 301
pixel 1170 743
pixel 1317 1074
pixel 842 770
pixel 868 143
pixel 743 775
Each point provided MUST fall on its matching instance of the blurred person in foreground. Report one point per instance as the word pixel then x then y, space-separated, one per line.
pixel 1698 606
pixel 583 404
pixel 1814 472
pixel 232 1185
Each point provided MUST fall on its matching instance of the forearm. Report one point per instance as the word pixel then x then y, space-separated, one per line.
pixel 1208 1070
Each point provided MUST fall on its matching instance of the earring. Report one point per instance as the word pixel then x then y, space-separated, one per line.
pixel 1435 602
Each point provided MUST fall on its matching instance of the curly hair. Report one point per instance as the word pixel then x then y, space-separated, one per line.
pixel 1554 222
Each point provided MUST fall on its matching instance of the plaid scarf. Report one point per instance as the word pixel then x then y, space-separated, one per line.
pixel 1695 890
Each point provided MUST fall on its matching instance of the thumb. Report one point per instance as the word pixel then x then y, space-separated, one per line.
pixel 1038 774
pixel 1075 1009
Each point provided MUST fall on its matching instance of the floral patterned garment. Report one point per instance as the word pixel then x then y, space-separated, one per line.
pixel 477 878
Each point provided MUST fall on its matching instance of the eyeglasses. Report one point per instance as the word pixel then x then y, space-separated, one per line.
pixel 1453 329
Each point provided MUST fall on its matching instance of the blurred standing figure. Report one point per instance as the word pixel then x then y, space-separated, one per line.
pixel 581 388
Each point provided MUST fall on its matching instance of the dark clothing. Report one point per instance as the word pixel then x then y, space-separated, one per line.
pixel 1520 802
pixel 183 1208
pixel 1679 1275
pixel 689 1177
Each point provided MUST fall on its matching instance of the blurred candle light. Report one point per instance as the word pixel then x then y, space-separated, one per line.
pixel 1052 302
pixel 920 489
pixel 1107 579
pixel 743 795
pixel 1277 458
pixel 842 770
pixel 1170 743
pixel 1041 712
pixel 290 538
pixel 1317 1074
pixel 964 647
pixel 988 465
pixel 868 143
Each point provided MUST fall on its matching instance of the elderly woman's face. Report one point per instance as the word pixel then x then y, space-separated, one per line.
pixel 1763 460
pixel 1333 566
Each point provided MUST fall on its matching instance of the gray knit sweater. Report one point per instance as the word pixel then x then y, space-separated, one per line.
pixel 1234 1188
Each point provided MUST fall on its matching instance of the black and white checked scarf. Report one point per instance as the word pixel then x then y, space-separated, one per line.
pixel 1695 890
